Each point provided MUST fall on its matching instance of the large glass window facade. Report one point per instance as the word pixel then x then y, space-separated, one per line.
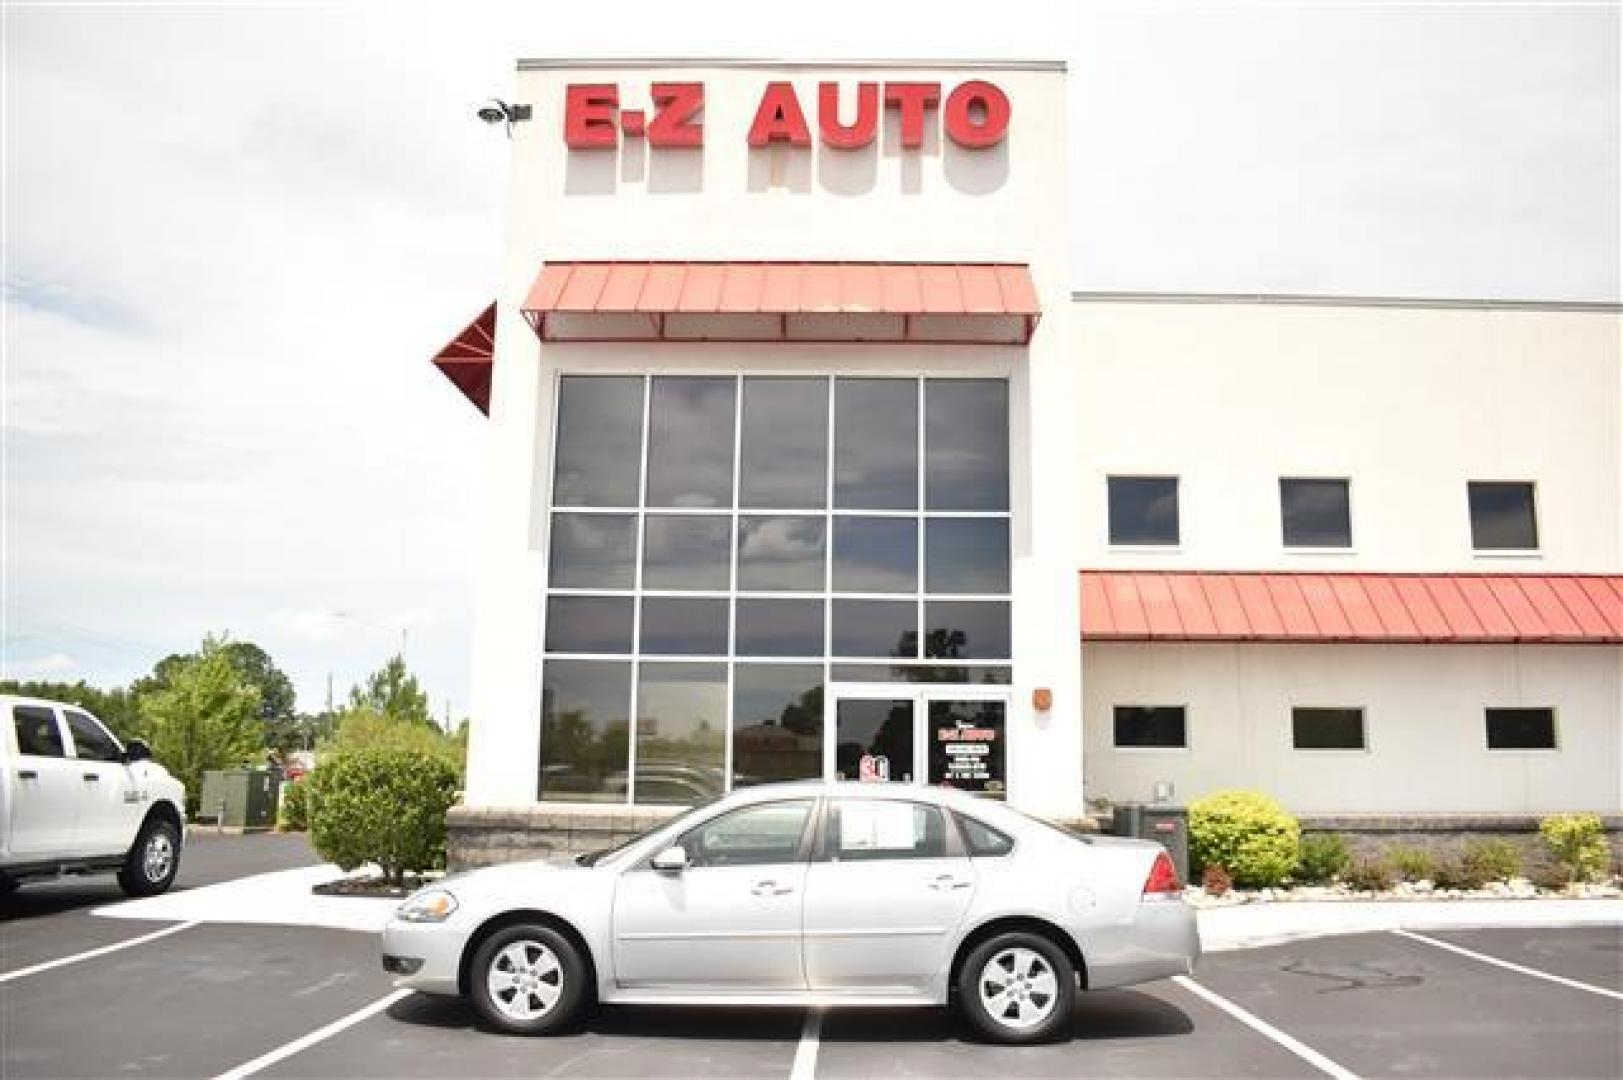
pixel 721 547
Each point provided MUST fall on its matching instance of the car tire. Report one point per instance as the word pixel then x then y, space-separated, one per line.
pixel 153 861
pixel 8 884
pixel 528 979
pixel 1017 988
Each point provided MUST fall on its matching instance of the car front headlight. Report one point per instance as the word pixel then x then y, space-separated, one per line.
pixel 428 906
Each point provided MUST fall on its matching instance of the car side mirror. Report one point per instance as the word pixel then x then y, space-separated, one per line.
pixel 137 750
pixel 673 860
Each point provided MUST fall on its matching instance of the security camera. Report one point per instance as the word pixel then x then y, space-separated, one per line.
pixel 498 112
pixel 492 114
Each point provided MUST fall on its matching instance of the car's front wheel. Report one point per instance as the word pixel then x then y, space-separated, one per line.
pixel 1017 988
pixel 153 861
pixel 528 979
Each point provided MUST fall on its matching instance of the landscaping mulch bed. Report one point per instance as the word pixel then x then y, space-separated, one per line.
pixel 373 886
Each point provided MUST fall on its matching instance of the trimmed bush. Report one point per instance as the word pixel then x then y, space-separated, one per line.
pixel 1491 860
pixel 383 805
pixel 1578 843
pixel 1246 833
pixel 1412 863
pixel 1369 874
pixel 1322 858
pixel 295 810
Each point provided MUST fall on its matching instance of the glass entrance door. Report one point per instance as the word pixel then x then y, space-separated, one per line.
pixel 944 736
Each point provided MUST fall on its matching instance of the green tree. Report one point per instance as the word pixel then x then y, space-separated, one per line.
pixel 278 720
pixel 116 707
pixel 393 691
pixel 205 716
pixel 365 728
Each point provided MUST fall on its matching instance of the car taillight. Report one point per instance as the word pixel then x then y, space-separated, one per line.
pixel 1163 877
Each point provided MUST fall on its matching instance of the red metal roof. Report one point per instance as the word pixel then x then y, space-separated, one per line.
pixel 1181 605
pixel 938 303
pixel 467 360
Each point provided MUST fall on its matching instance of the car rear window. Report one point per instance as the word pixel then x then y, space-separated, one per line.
pixel 983 840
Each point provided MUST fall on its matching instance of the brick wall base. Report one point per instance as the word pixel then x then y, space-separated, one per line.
pixel 484 835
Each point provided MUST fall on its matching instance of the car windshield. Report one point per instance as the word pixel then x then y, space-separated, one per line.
pixel 592 858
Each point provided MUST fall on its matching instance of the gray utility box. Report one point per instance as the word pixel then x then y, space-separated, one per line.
pixel 240 798
pixel 1166 825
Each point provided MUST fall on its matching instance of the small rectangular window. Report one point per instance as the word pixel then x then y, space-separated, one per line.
pixel 1327 729
pixel 91 742
pixel 1151 725
pixel 1315 513
pixel 589 624
pixel 982 840
pixel 1503 517
pixel 1143 510
pixel 37 733
pixel 1521 729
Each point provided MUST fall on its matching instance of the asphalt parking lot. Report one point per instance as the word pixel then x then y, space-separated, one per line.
pixel 299 1002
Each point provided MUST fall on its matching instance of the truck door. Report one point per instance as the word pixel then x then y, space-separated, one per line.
pixel 110 806
pixel 44 785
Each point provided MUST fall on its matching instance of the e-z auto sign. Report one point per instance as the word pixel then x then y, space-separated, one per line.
pixel 974 114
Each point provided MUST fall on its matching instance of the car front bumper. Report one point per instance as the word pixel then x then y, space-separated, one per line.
pixel 423 956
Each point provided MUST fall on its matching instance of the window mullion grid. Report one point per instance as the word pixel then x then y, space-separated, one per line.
pixel 918 510
pixel 636 605
pixel 732 585
pixel 828 576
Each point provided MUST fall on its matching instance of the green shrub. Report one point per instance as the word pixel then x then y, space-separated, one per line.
pixel 1491 859
pixel 1322 858
pixel 1246 833
pixel 1412 863
pixel 383 805
pixel 1457 872
pixel 1369 873
pixel 1578 843
pixel 295 810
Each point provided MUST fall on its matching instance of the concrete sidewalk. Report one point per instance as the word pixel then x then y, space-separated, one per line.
pixel 284 898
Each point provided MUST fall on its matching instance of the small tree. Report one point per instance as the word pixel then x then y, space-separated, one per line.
pixel 383 805
pixel 393 691
pixel 1578 842
pixel 205 716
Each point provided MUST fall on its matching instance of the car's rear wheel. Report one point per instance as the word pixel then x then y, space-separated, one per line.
pixel 153 861
pixel 1017 988
pixel 528 979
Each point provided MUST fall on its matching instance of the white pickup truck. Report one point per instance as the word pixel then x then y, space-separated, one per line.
pixel 75 801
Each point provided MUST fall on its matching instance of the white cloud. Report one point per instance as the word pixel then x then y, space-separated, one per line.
pixel 41 667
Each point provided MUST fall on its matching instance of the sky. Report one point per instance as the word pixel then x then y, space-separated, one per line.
pixel 234 233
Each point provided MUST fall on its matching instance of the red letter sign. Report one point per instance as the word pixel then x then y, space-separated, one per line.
pixel 962 126
pixel 675 106
pixel 861 130
pixel 912 99
pixel 779 118
pixel 589 110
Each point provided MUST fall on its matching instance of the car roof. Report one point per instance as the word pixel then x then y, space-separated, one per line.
pixel 813 788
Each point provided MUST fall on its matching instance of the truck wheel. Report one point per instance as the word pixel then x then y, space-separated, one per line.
pixel 153 862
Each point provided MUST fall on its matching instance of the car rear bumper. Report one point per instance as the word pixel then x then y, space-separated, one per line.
pixel 1162 940
pixel 422 956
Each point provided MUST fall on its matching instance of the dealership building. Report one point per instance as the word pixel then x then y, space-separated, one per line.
pixel 805 460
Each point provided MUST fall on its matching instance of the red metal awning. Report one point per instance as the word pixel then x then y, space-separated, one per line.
pixel 936 303
pixel 1164 605
pixel 467 360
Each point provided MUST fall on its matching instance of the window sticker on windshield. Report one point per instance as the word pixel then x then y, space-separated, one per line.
pixel 876 826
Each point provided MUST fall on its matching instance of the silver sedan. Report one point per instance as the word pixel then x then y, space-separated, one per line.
pixel 808 894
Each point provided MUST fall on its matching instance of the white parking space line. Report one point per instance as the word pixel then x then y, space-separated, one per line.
pixel 1486 959
pixel 281 1053
pixel 93 953
pixel 1261 1026
pixel 805 1066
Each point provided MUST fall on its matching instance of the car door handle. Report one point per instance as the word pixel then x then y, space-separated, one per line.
pixel 770 888
pixel 947 881
pixel 92 776
pixel 27 774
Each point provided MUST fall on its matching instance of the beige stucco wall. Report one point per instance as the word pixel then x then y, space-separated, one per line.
pixel 1427 747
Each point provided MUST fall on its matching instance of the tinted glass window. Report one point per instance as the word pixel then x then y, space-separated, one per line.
pixel 966 630
pixel 37 733
pixel 966 742
pixel 870 829
pixel 681 732
pixel 875 628
pixel 876 444
pixel 966 555
pixel 681 552
pixel 778 554
pixel 876 554
pixel 585 749
pixel 593 551
pixel 1316 513
pixel 1502 516
pixel 1143 509
pixel 674 626
pixel 983 840
pixel 690 442
pixel 780 628
pixel 966 444
pixel 1327 729
pixel 90 740
pixel 873 739
pixel 922 673
pixel 1521 729
pixel 755 836
pixel 777 723
pixel 784 444
pixel 1150 725
pixel 589 624
pixel 599 441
